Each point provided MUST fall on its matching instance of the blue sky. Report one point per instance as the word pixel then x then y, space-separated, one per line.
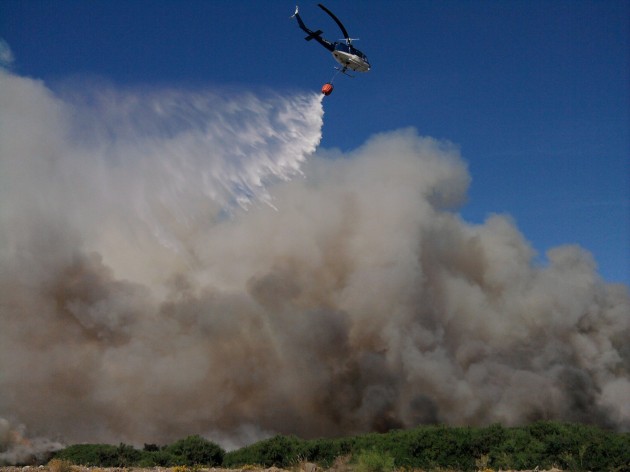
pixel 535 94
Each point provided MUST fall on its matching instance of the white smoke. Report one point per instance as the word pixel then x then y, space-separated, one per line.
pixel 162 274
pixel 6 55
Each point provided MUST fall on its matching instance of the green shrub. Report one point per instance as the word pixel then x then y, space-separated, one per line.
pixel 159 458
pixel 91 455
pixel 127 456
pixel 195 450
pixel 279 451
pixel 374 461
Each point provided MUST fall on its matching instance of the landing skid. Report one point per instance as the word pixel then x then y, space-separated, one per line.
pixel 343 71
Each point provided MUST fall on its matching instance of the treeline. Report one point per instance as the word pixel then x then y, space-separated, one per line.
pixel 543 444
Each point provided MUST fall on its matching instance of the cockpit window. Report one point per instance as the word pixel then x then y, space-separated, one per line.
pixel 350 50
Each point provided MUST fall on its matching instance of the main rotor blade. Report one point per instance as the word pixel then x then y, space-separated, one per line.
pixel 343 30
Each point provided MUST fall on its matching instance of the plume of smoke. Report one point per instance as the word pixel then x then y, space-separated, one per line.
pixel 142 303
pixel 16 448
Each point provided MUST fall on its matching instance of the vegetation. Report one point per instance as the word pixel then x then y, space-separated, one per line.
pixel 543 444
pixel 196 450
pixel 373 461
pixel 191 451
pixel 102 455
pixel 58 465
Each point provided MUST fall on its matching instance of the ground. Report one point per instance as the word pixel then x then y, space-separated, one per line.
pixel 307 467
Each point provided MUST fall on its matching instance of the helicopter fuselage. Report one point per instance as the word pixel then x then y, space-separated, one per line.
pixel 350 58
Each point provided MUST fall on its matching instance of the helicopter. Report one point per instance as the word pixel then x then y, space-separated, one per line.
pixel 343 51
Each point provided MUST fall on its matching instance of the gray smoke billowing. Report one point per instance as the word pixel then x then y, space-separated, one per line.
pixel 15 448
pixel 162 274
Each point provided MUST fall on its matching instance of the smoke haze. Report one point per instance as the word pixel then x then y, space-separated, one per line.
pixel 176 263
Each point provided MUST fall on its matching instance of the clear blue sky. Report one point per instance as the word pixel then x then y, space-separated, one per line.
pixel 535 93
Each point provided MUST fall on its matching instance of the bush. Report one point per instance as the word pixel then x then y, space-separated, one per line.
pixel 102 455
pixel 195 450
pixel 126 456
pixel 325 452
pixel 279 451
pixel 159 458
pixel 373 461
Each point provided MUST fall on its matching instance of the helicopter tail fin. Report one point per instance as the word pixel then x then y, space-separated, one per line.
pixel 311 34
pixel 316 35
